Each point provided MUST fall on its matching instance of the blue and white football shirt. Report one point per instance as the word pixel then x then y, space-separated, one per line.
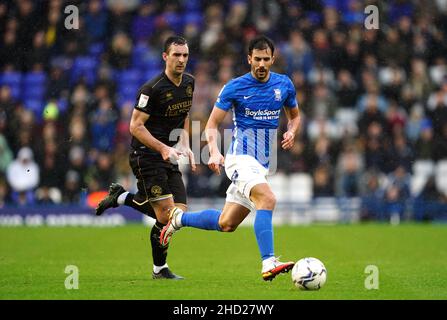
pixel 256 108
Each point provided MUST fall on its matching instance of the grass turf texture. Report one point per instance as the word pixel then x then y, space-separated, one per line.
pixel 115 263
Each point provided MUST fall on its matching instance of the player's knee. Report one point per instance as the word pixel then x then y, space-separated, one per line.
pixel 267 201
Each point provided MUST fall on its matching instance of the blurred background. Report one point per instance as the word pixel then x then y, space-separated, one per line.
pixel 373 140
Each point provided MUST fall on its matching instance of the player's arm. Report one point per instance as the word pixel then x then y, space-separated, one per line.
pixel 184 144
pixel 212 134
pixel 293 115
pixel 140 132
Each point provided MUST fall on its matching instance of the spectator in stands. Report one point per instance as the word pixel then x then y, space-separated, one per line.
pixel 51 166
pixel 297 54
pixel 321 153
pixel 4 192
pixel 143 25
pixel 37 58
pixel 23 177
pixel 402 153
pixel 425 144
pixel 419 81
pixel 321 47
pixel 101 175
pixel 372 196
pixel 6 155
pixel 103 125
pixel 392 78
pixel 430 203
pixel 58 85
pixel 348 171
pixel 120 15
pixel 371 115
pixel 295 160
pixel 397 193
pixel 375 155
pixel 96 20
pixel 323 183
pixel 72 188
pixel 10 57
pixel 346 90
pixel 391 50
pixel 440 149
pixel 120 51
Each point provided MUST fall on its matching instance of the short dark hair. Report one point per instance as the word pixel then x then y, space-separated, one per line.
pixel 174 40
pixel 260 43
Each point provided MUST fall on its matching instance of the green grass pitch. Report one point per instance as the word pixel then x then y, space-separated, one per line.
pixel 114 263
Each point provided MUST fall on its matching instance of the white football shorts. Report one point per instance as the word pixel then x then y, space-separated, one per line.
pixel 245 172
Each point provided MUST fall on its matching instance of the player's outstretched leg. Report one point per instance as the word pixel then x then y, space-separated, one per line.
pixel 207 219
pixel 111 200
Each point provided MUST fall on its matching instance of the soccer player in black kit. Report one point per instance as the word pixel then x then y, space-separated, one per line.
pixel 162 105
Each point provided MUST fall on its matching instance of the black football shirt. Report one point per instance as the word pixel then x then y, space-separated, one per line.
pixel 167 105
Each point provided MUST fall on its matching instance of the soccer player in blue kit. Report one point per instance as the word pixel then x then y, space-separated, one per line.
pixel 256 99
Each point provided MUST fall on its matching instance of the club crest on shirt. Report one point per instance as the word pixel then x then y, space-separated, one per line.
pixel 277 94
pixel 142 102
pixel 189 91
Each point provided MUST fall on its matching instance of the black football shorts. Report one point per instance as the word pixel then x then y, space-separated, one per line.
pixel 156 180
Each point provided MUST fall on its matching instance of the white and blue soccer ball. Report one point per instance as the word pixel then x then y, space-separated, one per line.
pixel 309 274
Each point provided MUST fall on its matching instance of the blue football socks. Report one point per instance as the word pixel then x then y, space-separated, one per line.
pixel 264 233
pixel 207 219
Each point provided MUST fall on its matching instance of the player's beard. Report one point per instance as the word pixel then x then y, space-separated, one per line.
pixel 261 73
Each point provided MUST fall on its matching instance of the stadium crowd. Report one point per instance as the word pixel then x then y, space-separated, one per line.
pixel 373 102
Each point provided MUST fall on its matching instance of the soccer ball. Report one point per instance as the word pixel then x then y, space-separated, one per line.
pixel 309 274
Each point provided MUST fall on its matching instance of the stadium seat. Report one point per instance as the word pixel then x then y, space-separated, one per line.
pixel 33 92
pixel 11 78
pixel 143 58
pixel 417 183
pixel 279 184
pixel 326 209
pixel 139 51
pixel 96 49
pixel 36 106
pixel 34 79
pixel 149 74
pixel 300 185
pixel 193 17
pixel 423 168
pixel 129 77
pixel 122 101
pixel 441 174
pixel 192 5
pixel 347 119
pixel 84 67
pixel 128 90
pixel 84 63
